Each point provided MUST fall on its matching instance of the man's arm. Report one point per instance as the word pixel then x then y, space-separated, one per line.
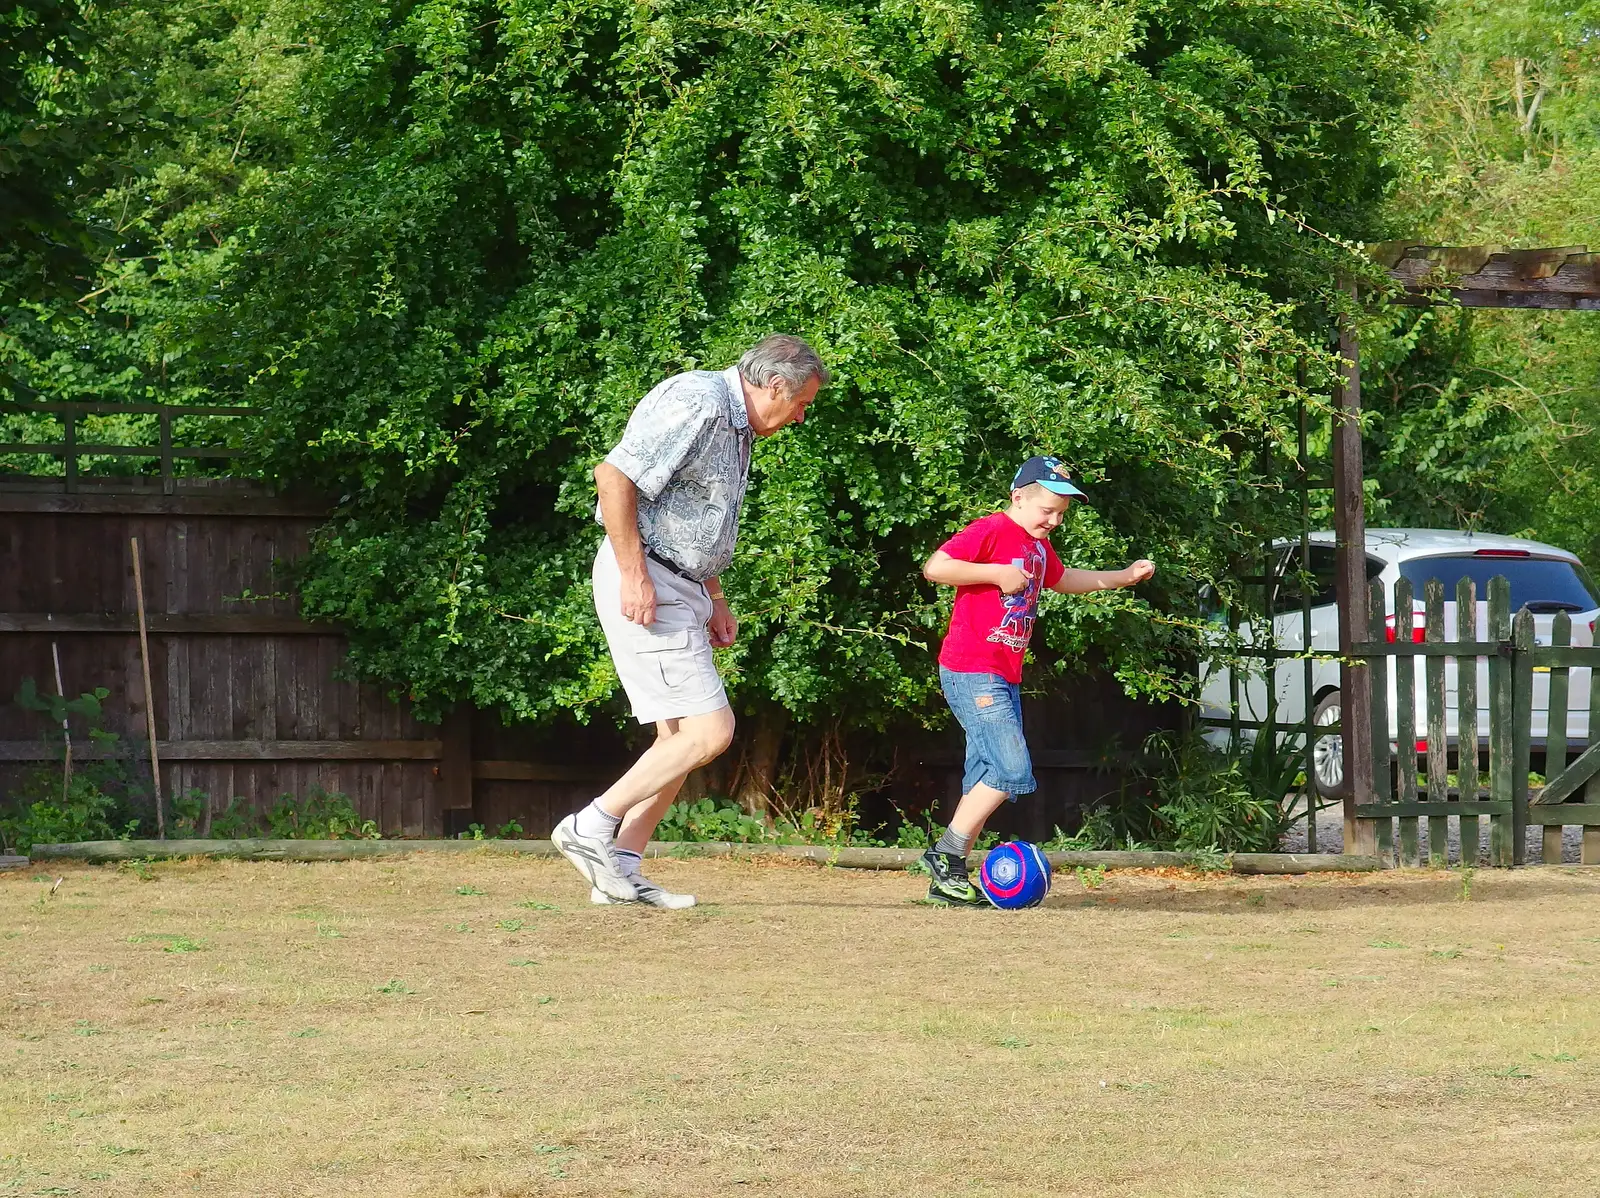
pixel 950 571
pixel 1081 582
pixel 619 512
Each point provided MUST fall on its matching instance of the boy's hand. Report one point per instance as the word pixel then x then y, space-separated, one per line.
pixel 1010 579
pixel 1140 570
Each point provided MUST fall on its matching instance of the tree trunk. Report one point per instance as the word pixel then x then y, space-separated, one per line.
pixel 759 768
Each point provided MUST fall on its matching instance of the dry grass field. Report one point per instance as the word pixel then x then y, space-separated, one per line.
pixel 470 1026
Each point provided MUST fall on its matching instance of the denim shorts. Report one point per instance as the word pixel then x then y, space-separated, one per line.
pixel 990 711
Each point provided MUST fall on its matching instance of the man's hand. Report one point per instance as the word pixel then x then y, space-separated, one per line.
pixel 1140 570
pixel 638 596
pixel 722 626
pixel 1010 579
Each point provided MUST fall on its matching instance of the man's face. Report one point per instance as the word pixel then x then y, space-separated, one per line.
pixel 1039 511
pixel 774 407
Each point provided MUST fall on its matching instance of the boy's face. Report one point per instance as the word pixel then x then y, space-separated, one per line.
pixel 1038 510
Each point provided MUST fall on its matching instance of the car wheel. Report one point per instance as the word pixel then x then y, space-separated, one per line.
pixel 1327 756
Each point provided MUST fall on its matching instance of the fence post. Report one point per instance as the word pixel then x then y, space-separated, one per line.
pixel 1468 778
pixel 69 422
pixel 1555 742
pixel 1591 793
pixel 1377 731
pixel 1438 744
pixel 1500 718
pixel 1405 721
pixel 166 452
pixel 1521 730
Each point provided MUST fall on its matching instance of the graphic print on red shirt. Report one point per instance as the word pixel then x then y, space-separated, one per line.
pixel 989 632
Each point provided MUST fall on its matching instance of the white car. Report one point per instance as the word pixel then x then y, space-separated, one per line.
pixel 1544 579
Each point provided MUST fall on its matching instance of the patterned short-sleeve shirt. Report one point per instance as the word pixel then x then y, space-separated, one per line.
pixel 687 450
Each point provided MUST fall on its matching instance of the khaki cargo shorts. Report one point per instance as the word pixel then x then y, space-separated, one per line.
pixel 666 667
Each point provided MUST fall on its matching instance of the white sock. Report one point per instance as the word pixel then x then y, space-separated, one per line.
pixel 629 861
pixel 594 821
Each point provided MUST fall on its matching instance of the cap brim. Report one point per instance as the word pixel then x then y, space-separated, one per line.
pixel 1061 488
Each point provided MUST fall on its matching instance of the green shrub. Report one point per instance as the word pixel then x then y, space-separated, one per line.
pixel 708 819
pixel 102 800
pixel 321 815
pixel 1215 800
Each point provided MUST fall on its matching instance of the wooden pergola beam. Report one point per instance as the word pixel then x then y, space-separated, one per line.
pixel 1563 277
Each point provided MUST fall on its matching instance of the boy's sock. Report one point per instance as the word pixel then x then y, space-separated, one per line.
pixel 594 821
pixel 953 842
pixel 628 861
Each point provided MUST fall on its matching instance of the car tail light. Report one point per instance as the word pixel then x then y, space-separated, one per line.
pixel 1418 632
pixel 1501 553
pixel 1422 744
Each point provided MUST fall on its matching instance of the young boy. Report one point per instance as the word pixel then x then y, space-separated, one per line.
pixel 998 565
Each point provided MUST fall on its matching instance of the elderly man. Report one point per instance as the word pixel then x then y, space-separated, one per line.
pixel 670 494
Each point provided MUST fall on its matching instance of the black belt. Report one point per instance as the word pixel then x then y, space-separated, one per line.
pixel 668 564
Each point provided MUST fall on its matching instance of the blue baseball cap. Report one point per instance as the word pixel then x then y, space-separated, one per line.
pixel 1048 473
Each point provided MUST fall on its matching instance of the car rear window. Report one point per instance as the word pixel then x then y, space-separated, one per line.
pixel 1540 583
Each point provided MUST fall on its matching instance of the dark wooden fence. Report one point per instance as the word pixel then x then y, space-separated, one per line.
pixel 249 701
pixel 248 698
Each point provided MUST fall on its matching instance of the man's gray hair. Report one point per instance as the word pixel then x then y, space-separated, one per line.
pixel 782 357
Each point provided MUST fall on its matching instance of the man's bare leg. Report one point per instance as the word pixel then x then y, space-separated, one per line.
pixel 640 822
pixel 634 833
pixel 698 739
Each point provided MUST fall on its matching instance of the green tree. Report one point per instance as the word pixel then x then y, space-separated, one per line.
pixel 1485 419
pixel 1102 229
pixel 188 108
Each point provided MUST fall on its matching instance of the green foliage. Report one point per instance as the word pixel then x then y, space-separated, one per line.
pixel 710 820
pixel 1204 800
pixel 320 815
pixel 102 798
pixel 1222 801
pixel 1485 419
pixel 1072 226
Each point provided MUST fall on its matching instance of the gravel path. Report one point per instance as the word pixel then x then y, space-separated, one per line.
pixel 1330 839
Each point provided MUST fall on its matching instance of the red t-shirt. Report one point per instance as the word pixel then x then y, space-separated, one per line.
pixel 989 631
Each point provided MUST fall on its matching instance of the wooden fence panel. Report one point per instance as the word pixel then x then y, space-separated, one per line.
pixel 248 705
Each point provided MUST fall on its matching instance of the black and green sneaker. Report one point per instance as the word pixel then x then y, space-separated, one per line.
pixel 949 884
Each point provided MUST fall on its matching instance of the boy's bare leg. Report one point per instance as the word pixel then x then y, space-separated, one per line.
pixel 974 810
pixel 947 860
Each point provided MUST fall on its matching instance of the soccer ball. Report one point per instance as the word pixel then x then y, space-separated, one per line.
pixel 1015 874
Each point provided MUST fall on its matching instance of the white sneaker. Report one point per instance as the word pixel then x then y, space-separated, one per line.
pixel 592 857
pixel 649 893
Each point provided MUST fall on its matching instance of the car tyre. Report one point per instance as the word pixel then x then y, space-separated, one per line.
pixel 1327 755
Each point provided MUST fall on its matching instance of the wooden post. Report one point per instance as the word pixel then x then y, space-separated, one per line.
pixel 1405 720
pixel 1555 750
pixel 66 731
pixel 149 694
pixel 1438 746
pixel 455 763
pixel 1500 717
pixel 1469 776
pixel 1521 730
pixel 1383 773
pixel 1350 530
